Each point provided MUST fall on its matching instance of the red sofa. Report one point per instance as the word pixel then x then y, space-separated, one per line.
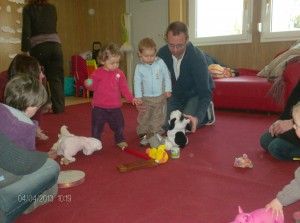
pixel 250 92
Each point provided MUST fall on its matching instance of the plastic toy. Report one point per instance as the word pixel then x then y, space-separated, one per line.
pixel 176 136
pixel 243 162
pixel 256 216
pixel 158 154
pixel 88 82
pixel 70 178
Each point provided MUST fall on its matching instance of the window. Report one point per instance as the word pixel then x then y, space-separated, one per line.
pixel 280 20
pixel 215 22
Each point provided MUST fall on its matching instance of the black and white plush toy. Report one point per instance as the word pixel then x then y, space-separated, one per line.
pixel 176 136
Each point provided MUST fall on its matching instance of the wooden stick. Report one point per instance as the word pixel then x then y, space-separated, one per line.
pixel 142 164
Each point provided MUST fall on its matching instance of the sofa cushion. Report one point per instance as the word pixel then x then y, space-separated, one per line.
pixel 246 92
pixel 278 64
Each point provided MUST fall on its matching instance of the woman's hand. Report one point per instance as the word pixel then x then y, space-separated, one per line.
pixel 52 154
pixel 280 126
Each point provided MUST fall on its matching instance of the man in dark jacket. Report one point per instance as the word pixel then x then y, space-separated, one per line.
pixel 192 83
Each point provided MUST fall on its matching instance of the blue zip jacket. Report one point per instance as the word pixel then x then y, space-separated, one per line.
pixel 151 80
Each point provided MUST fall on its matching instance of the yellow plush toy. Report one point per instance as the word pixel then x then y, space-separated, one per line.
pixel 159 154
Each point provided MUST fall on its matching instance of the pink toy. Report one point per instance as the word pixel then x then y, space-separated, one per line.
pixel 71 145
pixel 243 162
pixel 68 145
pixel 256 216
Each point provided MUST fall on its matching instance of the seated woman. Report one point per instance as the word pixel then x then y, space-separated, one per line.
pixel 274 140
pixel 24 173
pixel 24 64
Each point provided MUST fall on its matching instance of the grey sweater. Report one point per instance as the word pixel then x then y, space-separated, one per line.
pixel 291 192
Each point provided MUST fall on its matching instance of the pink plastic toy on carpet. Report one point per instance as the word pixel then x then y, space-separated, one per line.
pixel 243 162
pixel 256 216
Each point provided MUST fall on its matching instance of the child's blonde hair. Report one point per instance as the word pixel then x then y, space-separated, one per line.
pixel 111 49
pixel 146 43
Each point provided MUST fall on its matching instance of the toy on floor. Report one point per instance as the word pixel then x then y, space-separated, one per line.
pixel 68 145
pixel 256 216
pixel 141 164
pixel 158 154
pixel 243 162
pixel 176 136
pixel 70 178
pixel 137 165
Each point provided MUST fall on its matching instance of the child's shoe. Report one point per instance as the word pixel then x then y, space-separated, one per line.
pixel 155 140
pixel 144 141
pixel 141 136
pixel 122 145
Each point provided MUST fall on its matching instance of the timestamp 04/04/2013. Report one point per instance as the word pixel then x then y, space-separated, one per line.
pixel 43 198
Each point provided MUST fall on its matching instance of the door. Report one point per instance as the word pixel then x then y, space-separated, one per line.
pixel 149 18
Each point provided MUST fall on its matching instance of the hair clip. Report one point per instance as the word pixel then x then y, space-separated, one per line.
pixel 108 53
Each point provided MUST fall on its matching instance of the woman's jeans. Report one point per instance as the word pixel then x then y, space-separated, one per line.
pixel 279 148
pixel 17 197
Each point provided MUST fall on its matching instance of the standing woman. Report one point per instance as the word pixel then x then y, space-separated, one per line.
pixel 40 40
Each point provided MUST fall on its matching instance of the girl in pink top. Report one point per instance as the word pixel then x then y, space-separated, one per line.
pixel 109 83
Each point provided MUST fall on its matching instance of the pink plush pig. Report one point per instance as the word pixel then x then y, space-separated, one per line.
pixel 256 216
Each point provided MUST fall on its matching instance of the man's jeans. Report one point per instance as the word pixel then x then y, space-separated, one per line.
pixel 186 107
pixel 17 197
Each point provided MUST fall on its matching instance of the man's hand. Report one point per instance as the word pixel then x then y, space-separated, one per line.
pixel 194 122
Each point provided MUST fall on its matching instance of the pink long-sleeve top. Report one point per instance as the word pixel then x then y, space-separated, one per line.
pixel 108 88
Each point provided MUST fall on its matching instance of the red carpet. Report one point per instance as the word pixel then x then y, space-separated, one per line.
pixel 201 186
